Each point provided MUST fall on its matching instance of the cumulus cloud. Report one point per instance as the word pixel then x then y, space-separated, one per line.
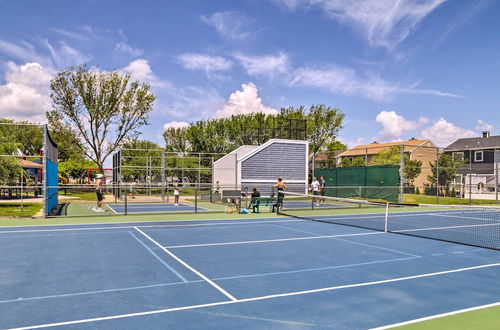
pixel 264 65
pixel 382 23
pixel 25 95
pixel 443 133
pixel 204 62
pixel 348 82
pixel 230 25
pixel 244 101
pixel 175 124
pixel 483 126
pixel 395 126
pixel 141 70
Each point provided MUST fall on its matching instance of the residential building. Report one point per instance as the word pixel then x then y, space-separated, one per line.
pixel 481 156
pixel 419 150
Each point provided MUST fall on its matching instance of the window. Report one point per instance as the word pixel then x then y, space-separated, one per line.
pixel 458 156
pixel 478 156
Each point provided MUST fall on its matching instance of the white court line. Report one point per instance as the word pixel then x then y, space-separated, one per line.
pixel 270 240
pixel 462 217
pixel 112 209
pixel 439 228
pixel 224 292
pixel 159 259
pixel 134 224
pixel 436 316
pixel 280 295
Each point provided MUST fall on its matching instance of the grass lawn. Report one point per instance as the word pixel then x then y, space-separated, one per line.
pixel 14 209
pixel 488 318
pixel 426 199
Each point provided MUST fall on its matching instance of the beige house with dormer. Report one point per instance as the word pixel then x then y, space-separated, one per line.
pixel 423 150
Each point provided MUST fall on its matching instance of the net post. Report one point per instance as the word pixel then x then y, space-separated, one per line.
pixel 386 218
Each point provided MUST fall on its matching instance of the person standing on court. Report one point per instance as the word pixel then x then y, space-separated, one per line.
pixel 98 190
pixel 280 187
pixel 315 186
pixel 177 193
pixel 322 188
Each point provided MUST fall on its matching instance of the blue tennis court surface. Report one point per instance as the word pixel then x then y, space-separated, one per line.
pixel 252 273
pixel 151 207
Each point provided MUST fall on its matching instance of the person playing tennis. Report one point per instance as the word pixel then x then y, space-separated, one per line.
pixel 280 186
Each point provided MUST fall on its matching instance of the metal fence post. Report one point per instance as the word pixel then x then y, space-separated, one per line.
pixel 437 176
pixel 470 176
pixel 495 161
pixel 401 172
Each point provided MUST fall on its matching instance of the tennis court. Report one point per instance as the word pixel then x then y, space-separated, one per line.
pixel 279 272
pixel 152 208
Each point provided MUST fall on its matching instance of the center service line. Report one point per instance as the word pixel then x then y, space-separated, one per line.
pixel 224 292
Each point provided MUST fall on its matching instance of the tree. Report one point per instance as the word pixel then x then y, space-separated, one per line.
pixel 101 108
pixel 357 161
pixel 391 156
pixel 444 170
pixel 10 169
pixel 138 156
pixel 330 152
pixel 323 125
pixel 176 139
pixel 412 169
pixel 223 135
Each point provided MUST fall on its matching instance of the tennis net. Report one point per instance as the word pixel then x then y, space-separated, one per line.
pixel 469 225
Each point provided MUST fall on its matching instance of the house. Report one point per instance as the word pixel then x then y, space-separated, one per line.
pixel 326 159
pixel 481 156
pixel 260 166
pixel 419 150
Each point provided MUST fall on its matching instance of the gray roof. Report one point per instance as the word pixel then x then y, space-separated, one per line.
pixel 475 143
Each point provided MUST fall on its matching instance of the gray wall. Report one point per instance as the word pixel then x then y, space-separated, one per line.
pixel 265 188
pixel 278 159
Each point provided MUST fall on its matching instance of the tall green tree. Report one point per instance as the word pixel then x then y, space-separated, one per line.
pixel 176 139
pixel 103 109
pixel 323 125
pixel 391 156
pixel 412 169
pixel 444 170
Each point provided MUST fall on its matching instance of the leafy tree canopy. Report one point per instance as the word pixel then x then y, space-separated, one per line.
pixel 102 109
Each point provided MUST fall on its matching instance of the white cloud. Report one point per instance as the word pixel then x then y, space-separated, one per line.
pixel 382 23
pixel 395 126
pixel 483 126
pixel 175 124
pixel 125 48
pixel 244 101
pixel 347 81
pixel 264 65
pixel 25 95
pixel 443 133
pixel 230 25
pixel 141 70
pixel 204 62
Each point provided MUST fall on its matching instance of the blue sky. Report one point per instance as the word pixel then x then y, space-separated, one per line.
pixel 397 69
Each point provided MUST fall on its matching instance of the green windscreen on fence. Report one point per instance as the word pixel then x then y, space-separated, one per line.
pixel 371 182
